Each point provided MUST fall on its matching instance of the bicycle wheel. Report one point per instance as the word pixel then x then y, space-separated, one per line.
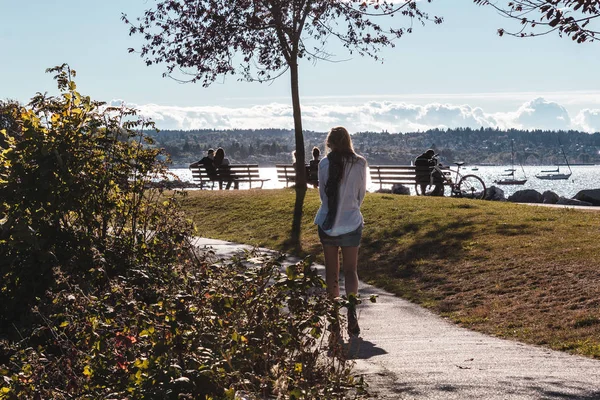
pixel 472 187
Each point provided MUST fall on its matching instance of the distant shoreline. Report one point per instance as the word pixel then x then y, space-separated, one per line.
pixel 272 165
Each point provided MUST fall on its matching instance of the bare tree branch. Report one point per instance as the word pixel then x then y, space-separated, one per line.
pixel 570 18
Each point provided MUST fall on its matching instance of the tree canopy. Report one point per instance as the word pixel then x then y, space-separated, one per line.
pixel 570 18
pixel 259 39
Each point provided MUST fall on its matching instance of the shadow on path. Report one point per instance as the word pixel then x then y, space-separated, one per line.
pixel 358 348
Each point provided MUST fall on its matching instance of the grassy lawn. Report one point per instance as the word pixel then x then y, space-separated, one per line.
pixel 510 270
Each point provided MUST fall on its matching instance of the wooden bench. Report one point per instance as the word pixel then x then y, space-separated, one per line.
pixel 395 174
pixel 239 173
pixel 287 173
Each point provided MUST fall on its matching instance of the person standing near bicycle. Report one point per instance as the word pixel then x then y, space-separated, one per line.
pixel 425 174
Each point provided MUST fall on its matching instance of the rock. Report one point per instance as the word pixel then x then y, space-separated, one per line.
pixel 549 197
pixel 400 189
pixel 526 196
pixel 494 193
pixel 572 202
pixel 396 189
pixel 589 195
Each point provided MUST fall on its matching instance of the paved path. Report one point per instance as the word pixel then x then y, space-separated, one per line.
pixel 406 352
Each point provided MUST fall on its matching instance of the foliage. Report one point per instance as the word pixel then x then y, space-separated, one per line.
pixel 208 37
pixel 572 18
pixel 102 294
pixel 72 191
pixel 211 330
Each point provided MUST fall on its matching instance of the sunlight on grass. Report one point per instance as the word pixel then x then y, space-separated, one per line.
pixel 499 268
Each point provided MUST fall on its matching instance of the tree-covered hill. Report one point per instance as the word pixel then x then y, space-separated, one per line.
pixel 474 146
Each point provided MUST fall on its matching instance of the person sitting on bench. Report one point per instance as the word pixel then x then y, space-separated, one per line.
pixel 208 163
pixel 224 171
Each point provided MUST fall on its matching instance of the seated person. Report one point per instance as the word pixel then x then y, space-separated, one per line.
pixel 423 170
pixel 312 175
pixel 208 163
pixel 222 164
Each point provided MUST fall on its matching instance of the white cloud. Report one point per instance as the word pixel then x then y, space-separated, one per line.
pixel 588 120
pixel 451 116
pixel 543 114
pixel 538 113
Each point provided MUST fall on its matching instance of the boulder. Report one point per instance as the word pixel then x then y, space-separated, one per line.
pixel 572 202
pixel 494 193
pixel 526 196
pixel 589 195
pixel 386 191
pixel 549 197
pixel 400 189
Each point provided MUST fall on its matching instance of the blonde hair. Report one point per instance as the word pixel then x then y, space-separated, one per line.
pixel 340 157
pixel 339 139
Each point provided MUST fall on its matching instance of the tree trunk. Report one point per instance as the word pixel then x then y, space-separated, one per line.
pixel 300 158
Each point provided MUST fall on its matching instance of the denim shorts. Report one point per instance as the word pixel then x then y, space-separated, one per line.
pixel 350 239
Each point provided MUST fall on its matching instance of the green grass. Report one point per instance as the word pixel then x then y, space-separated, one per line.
pixel 510 270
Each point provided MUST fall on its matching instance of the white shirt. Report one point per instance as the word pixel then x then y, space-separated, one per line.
pixel 353 187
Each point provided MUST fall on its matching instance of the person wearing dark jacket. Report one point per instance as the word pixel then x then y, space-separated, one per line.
pixel 424 174
pixel 208 163
pixel 224 170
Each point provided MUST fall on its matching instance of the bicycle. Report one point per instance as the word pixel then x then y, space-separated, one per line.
pixel 467 186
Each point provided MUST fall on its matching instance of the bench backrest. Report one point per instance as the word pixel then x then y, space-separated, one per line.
pixel 402 174
pixel 242 171
pixel 286 173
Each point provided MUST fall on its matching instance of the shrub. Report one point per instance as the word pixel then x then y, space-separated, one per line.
pixel 102 294
pixel 73 198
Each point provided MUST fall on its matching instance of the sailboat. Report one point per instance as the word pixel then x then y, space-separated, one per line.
pixel 555 174
pixel 509 177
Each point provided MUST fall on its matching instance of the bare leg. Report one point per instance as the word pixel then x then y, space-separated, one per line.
pixel 332 270
pixel 350 263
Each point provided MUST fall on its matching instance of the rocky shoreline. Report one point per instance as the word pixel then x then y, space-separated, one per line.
pixel 587 197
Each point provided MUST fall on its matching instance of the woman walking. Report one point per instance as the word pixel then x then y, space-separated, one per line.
pixel 342 188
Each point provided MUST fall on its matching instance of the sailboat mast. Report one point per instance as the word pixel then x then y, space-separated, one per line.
pixel 512 157
pixel 565 156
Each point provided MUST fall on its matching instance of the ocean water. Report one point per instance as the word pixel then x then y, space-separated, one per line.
pixel 584 177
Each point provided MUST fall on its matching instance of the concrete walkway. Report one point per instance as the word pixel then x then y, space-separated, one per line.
pixel 406 352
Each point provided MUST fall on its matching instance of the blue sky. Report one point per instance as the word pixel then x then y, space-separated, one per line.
pixel 459 73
